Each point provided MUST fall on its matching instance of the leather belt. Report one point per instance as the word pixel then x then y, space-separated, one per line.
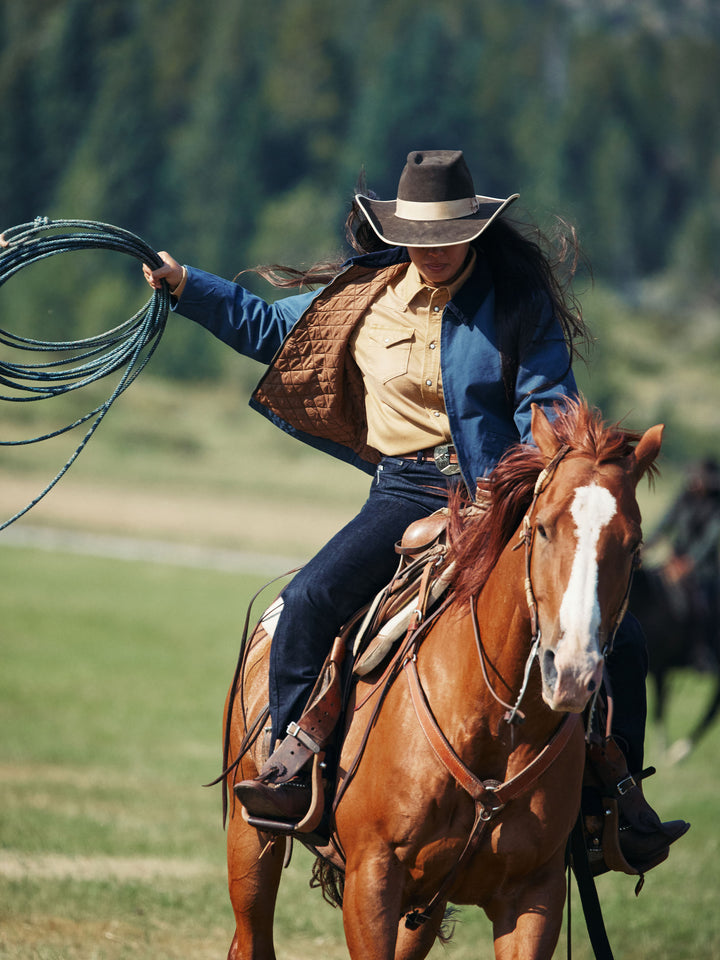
pixel 443 456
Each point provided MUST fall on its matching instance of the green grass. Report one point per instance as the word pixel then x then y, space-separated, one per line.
pixel 111 689
pixel 113 676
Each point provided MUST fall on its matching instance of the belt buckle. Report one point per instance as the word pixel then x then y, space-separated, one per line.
pixel 441 456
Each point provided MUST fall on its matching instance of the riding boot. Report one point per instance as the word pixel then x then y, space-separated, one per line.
pixel 282 789
pixel 624 831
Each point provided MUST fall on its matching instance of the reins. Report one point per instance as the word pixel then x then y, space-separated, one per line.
pixel 527 536
pixel 513 713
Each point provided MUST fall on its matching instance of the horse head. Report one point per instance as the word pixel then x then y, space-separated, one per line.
pixel 582 535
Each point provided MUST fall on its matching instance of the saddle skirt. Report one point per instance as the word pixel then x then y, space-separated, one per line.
pixel 422 578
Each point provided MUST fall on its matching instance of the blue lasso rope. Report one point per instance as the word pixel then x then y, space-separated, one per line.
pixel 127 347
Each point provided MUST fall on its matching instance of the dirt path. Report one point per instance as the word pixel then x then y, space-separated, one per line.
pixel 150 551
pixel 15 865
pixel 224 532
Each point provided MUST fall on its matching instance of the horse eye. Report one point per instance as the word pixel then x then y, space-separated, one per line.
pixel 541 531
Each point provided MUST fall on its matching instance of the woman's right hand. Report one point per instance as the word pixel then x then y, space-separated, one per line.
pixel 171 271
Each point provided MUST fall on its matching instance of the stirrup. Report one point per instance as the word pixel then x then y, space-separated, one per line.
pixel 311 821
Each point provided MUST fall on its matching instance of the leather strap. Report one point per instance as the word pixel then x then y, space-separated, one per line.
pixel 489 796
pixel 588 894
pixel 494 796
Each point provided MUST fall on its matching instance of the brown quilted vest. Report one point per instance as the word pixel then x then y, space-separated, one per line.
pixel 313 383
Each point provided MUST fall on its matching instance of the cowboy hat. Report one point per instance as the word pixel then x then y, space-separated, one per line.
pixel 436 204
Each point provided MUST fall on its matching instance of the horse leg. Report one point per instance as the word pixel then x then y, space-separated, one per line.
pixel 253 879
pixel 527 926
pixel 417 944
pixel 371 907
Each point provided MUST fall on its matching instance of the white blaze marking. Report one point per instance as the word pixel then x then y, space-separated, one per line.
pixel 592 509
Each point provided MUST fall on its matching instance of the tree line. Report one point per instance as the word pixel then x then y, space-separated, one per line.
pixel 233 133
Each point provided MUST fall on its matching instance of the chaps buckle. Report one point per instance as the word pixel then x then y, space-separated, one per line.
pixel 625 785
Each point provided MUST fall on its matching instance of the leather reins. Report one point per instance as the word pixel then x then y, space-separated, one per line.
pixel 514 714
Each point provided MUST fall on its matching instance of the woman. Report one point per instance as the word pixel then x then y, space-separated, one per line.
pixel 417 361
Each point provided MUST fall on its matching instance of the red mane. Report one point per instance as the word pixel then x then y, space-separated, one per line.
pixel 476 544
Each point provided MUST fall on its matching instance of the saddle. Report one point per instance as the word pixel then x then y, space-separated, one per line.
pixel 420 581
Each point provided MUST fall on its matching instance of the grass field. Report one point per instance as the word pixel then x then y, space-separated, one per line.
pixel 112 679
pixel 111 690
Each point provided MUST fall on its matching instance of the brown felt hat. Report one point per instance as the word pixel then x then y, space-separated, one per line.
pixel 436 204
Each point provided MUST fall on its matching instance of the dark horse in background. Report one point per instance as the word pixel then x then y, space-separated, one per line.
pixel 675 626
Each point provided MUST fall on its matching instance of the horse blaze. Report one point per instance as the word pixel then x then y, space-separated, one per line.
pixel 577 658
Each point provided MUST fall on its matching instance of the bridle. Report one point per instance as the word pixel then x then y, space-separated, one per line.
pixel 527 538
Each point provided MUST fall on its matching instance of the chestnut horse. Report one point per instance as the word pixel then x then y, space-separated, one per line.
pixel 441 799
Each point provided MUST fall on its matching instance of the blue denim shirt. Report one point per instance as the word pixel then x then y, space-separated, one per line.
pixel 483 422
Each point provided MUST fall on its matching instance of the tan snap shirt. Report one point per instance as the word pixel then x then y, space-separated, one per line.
pixel 397 347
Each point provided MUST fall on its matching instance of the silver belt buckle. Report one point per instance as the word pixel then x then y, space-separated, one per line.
pixel 441 456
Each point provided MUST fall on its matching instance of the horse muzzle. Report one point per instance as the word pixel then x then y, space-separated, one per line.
pixel 568 683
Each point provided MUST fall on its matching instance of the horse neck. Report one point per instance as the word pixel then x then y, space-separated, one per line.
pixel 503 618
pixel 504 627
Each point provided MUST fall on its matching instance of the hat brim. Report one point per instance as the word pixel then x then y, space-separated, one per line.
pixel 399 232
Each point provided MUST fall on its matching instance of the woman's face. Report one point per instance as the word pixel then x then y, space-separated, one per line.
pixel 439 266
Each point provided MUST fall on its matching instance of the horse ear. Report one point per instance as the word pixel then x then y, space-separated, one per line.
pixel 647 449
pixel 543 433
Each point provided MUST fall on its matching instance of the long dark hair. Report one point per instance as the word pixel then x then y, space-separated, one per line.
pixel 528 267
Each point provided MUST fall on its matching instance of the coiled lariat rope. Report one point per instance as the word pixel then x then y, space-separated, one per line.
pixel 129 345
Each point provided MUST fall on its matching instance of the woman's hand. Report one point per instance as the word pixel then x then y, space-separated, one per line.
pixel 171 271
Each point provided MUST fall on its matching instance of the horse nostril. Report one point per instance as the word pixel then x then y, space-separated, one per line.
pixel 548 668
pixel 591 686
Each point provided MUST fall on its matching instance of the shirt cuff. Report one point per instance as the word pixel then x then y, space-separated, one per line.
pixel 177 292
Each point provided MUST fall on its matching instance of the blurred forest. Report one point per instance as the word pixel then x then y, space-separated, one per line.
pixel 233 133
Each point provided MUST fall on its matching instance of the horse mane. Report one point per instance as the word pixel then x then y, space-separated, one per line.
pixel 475 543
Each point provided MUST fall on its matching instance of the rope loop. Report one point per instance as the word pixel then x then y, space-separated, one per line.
pixel 127 347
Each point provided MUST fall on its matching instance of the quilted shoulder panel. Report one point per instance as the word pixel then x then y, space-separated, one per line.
pixel 314 384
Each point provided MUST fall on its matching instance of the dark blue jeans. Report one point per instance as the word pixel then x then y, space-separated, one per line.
pixel 627 666
pixel 346 573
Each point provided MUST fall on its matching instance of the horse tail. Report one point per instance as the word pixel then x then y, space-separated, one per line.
pixel 330 879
